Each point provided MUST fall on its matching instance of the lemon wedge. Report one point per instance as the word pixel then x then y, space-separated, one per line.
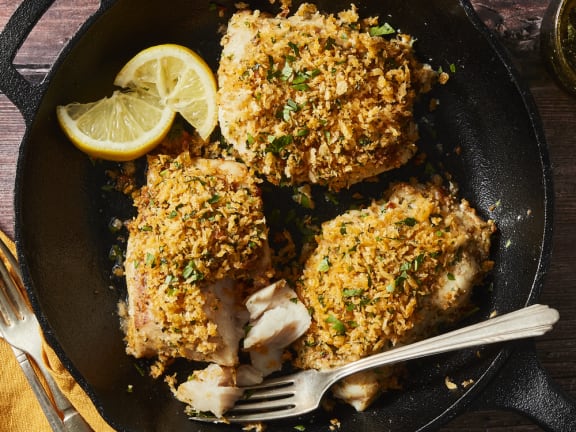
pixel 160 81
pixel 121 127
pixel 180 79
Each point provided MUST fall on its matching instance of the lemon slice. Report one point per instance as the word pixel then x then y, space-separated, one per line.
pixel 180 78
pixel 121 127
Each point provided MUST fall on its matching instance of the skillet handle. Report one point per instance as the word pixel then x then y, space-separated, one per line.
pixel 524 386
pixel 19 90
pixel 25 95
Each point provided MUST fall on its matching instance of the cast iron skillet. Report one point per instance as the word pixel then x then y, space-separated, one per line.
pixel 486 133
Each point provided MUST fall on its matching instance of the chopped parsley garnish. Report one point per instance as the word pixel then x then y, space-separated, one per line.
pixel 302 132
pixel 330 42
pixel 214 199
pixel 250 140
pixel 337 325
pixel 150 258
pixel 352 292
pixel 324 265
pixel 290 107
pixel 409 221
pixel 384 29
pixel 418 261
pixel 301 79
pixel 191 272
pixel 277 144
pixel 294 48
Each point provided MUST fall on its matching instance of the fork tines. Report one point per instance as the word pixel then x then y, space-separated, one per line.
pixel 10 301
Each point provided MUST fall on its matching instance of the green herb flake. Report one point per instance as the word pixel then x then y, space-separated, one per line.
pixel 214 199
pixel 301 87
pixel 191 272
pixel 286 72
pixel 140 369
pixel 417 263
pixel 352 292
pixel 303 200
pixel 250 140
pixel 300 428
pixel 333 199
pixel 272 73
pixel 290 107
pixel 302 132
pixel 301 77
pixel 409 221
pixel 150 258
pixel 115 253
pixel 294 48
pixel 337 325
pixel 450 276
pixel 277 144
pixel 324 265
pixel 384 29
pixel 399 281
pixel 330 42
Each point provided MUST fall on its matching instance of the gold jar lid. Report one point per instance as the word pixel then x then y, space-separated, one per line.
pixel 558 41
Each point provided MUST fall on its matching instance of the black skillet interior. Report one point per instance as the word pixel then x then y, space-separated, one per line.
pixel 483 133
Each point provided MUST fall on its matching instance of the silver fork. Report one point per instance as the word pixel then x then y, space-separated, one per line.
pixel 20 328
pixel 301 392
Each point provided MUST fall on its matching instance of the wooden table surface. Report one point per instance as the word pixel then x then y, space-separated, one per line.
pixel 517 23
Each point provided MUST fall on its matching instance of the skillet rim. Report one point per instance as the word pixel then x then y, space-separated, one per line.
pixel 545 249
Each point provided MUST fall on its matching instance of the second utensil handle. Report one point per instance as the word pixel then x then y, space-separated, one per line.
pixel 531 321
pixel 50 412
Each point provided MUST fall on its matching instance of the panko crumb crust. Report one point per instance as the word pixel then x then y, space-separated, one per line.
pixel 318 98
pixel 199 222
pixel 391 273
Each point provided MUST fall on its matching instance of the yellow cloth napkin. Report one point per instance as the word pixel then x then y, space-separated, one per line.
pixel 19 409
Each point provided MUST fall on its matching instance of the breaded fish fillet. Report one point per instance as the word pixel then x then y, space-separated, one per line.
pixel 197 246
pixel 317 98
pixel 389 274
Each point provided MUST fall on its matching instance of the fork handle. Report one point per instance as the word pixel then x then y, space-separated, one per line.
pixel 73 421
pixel 528 322
pixel 52 416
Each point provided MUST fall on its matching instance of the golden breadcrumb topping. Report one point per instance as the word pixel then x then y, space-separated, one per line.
pixel 384 274
pixel 319 98
pixel 199 221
